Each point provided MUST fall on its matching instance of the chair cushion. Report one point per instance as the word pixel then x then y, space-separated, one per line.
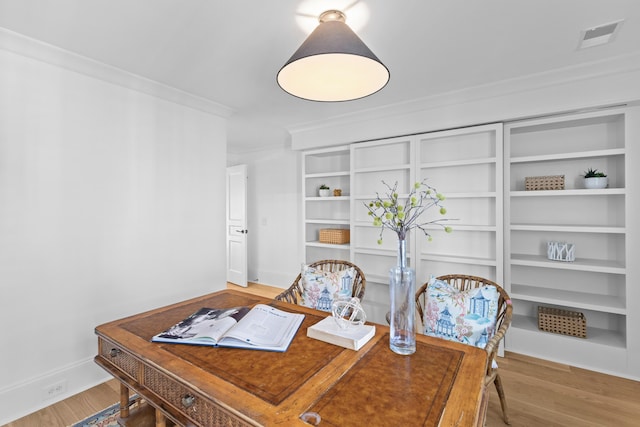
pixel 465 316
pixel 322 288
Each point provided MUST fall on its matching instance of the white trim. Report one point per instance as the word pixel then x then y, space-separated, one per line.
pixel 17 400
pixel 591 85
pixel 31 48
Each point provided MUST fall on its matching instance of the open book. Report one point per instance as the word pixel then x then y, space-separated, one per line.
pixel 260 328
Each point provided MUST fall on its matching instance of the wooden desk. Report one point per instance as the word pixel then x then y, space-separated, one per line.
pixel 441 384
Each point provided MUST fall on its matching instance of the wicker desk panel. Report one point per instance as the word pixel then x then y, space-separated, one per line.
pixel 120 358
pixel 184 400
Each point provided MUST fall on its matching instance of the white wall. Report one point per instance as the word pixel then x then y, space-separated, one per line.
pixel 273 202
pixel 108 207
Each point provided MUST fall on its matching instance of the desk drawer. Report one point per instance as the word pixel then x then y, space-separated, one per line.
pixel 199 410
pixel 116 355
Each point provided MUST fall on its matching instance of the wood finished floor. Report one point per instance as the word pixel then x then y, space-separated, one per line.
pixel 539 393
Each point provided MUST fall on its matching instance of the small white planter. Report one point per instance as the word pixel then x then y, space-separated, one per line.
pixel 596 182
pixel 324 193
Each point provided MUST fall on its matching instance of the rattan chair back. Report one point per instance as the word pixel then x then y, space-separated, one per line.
pixel 503 321
pixel 294 293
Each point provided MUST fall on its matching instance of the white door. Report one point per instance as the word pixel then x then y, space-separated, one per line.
pixel 237 225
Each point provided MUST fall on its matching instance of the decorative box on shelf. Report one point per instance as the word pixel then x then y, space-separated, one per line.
pixel 336 236
pixel 561 251
pixel 564 322
pixel 549 182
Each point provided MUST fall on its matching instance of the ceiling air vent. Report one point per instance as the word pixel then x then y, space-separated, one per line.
pixel 602 34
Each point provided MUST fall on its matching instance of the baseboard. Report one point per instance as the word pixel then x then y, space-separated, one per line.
pixel 275 279
pixel 21 399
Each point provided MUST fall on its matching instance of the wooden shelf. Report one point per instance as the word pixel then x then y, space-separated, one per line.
pixel 605 337
pixel 567 156
pixel 600 266
pixel 568 228
pixel 569 193
pixel 327 174
pixel 454 259
pixel 383 168
pixel 463 162
pixel 327 199
pixel 317 244
pixel 327 221
pixel 476 195
pixel 581 300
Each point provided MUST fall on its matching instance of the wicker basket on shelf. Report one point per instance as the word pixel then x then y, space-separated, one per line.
pixel 336 236
pixel 562 322
pixel 550 182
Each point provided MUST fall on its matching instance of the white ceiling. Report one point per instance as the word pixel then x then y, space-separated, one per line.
pixel 229 51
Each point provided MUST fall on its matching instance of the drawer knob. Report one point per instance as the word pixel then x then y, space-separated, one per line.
pixel 188 400
pixel 114 352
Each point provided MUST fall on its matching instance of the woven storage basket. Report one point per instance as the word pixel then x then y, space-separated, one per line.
pixel 551 182
pixel 562 322
pixel 336 236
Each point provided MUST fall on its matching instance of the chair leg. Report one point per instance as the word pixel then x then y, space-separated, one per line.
pixel 503 402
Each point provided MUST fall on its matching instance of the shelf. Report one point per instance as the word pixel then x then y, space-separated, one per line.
pixel 317 244
pixel 453 225
pixel 326 199
pixel 378 278
pixel 453 259
pixel 579 300
pixel 327 174
pixel 478 195
pixel 569 228
pixel 576 192
pixel 594 265
pixel 382 168
pixel 379 252
pixel 463 227
pixel 569 156
pixel 453 163
pixel 327 221
pixel 594 335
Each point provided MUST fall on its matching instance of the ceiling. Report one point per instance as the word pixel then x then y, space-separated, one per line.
pixel 229 51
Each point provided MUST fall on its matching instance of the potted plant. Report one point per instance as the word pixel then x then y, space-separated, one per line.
pixel 324 191
pixel 595 179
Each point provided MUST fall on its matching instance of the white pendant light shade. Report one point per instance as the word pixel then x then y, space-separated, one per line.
pixel 333 64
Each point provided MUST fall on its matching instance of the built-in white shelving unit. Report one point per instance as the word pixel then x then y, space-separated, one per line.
pixel 391 161
pixel 330 166
pixel 500 230
pixel 463 164
pixel 466 166
pixel 595 221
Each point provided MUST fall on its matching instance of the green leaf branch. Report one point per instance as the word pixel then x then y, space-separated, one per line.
pixel 400 216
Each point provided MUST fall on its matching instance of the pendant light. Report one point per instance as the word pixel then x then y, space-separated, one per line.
pixel 333 64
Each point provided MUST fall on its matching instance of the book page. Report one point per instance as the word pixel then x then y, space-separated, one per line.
pixel 207 325
pixel 265 326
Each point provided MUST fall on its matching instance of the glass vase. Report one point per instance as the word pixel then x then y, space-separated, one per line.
pixel 402 289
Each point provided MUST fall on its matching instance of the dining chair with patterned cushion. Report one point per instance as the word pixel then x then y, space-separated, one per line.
pixel 321 282
pixel 469 309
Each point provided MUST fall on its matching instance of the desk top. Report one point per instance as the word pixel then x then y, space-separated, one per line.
pixel 440 384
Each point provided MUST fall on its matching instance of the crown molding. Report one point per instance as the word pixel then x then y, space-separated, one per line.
pixel 514 86
pixel 35 49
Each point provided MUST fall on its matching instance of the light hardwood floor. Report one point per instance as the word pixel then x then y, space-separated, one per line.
pixel 539 393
